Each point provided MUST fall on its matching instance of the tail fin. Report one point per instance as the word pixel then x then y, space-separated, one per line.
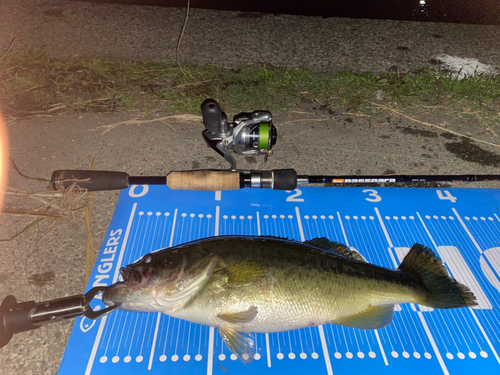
pixel 443 292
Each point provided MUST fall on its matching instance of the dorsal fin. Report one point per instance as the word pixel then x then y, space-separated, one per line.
pixel 335 247
pixel 274 238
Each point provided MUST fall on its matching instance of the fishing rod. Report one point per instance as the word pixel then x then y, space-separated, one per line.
pixel 207 180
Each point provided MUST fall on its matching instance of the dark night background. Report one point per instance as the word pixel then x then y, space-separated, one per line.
pixel 460 11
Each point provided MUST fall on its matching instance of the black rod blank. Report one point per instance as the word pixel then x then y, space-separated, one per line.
pixel 357 179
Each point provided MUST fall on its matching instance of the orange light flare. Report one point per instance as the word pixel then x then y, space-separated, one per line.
pixel 4 157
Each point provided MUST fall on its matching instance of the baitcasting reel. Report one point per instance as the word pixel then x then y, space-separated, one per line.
pixel 248 134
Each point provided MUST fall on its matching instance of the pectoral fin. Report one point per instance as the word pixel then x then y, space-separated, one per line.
pixel 240 343
pixel 241 316
pixel 373 317
pixel 244 272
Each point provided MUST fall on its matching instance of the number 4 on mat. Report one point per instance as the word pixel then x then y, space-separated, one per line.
pixel 446 196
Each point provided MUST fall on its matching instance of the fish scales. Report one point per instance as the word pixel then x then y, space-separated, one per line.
pixel 302 286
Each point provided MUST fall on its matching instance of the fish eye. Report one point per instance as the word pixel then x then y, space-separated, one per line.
pixel 147 259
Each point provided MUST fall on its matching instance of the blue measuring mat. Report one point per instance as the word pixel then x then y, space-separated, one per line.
pixel 461 225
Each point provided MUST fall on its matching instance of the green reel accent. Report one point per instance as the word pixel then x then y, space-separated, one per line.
pixel 264 135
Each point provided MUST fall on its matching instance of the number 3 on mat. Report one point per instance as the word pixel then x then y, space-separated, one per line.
pixel 373 194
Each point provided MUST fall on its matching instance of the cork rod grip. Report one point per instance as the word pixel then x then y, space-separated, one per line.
pixel 203 180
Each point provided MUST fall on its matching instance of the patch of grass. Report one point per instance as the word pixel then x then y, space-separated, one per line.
pixel 32 83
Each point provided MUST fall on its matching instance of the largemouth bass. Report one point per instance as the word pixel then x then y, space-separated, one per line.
pixel 263 284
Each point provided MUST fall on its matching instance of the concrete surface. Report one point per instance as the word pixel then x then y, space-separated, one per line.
pixel 312 140
pixel 234 39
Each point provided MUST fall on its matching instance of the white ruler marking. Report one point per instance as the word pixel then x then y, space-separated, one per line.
pixel 124 244
pixel 427 231
pixel 467 231
pixel 382 351
pixel 433 343
pixel 325 350
pixel 384 229
pixel 268 350
pixel 173 228
pixel 299 222
pixel 217 220
pixel 150 364
pixel 343 230
pixel 210 358
pixel 96 345
pixel 484 334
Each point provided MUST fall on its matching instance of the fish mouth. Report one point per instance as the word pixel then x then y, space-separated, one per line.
pixel 130 276
pixel 124 274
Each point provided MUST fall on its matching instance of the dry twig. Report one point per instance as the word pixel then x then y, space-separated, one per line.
pixel 180 40
pixel 296 135
pixel 33 213
pixel 30 225
pixel 23 175
pixel 306 119
pixel 90 251
pixel 194 83
pixel 39 196
pixel 8 49
pixel 181 118
pixel 355 114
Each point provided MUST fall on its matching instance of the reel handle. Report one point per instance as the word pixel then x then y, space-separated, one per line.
pixel 212 115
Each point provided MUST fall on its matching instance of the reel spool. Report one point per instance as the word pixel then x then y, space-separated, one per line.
pixel 248 134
